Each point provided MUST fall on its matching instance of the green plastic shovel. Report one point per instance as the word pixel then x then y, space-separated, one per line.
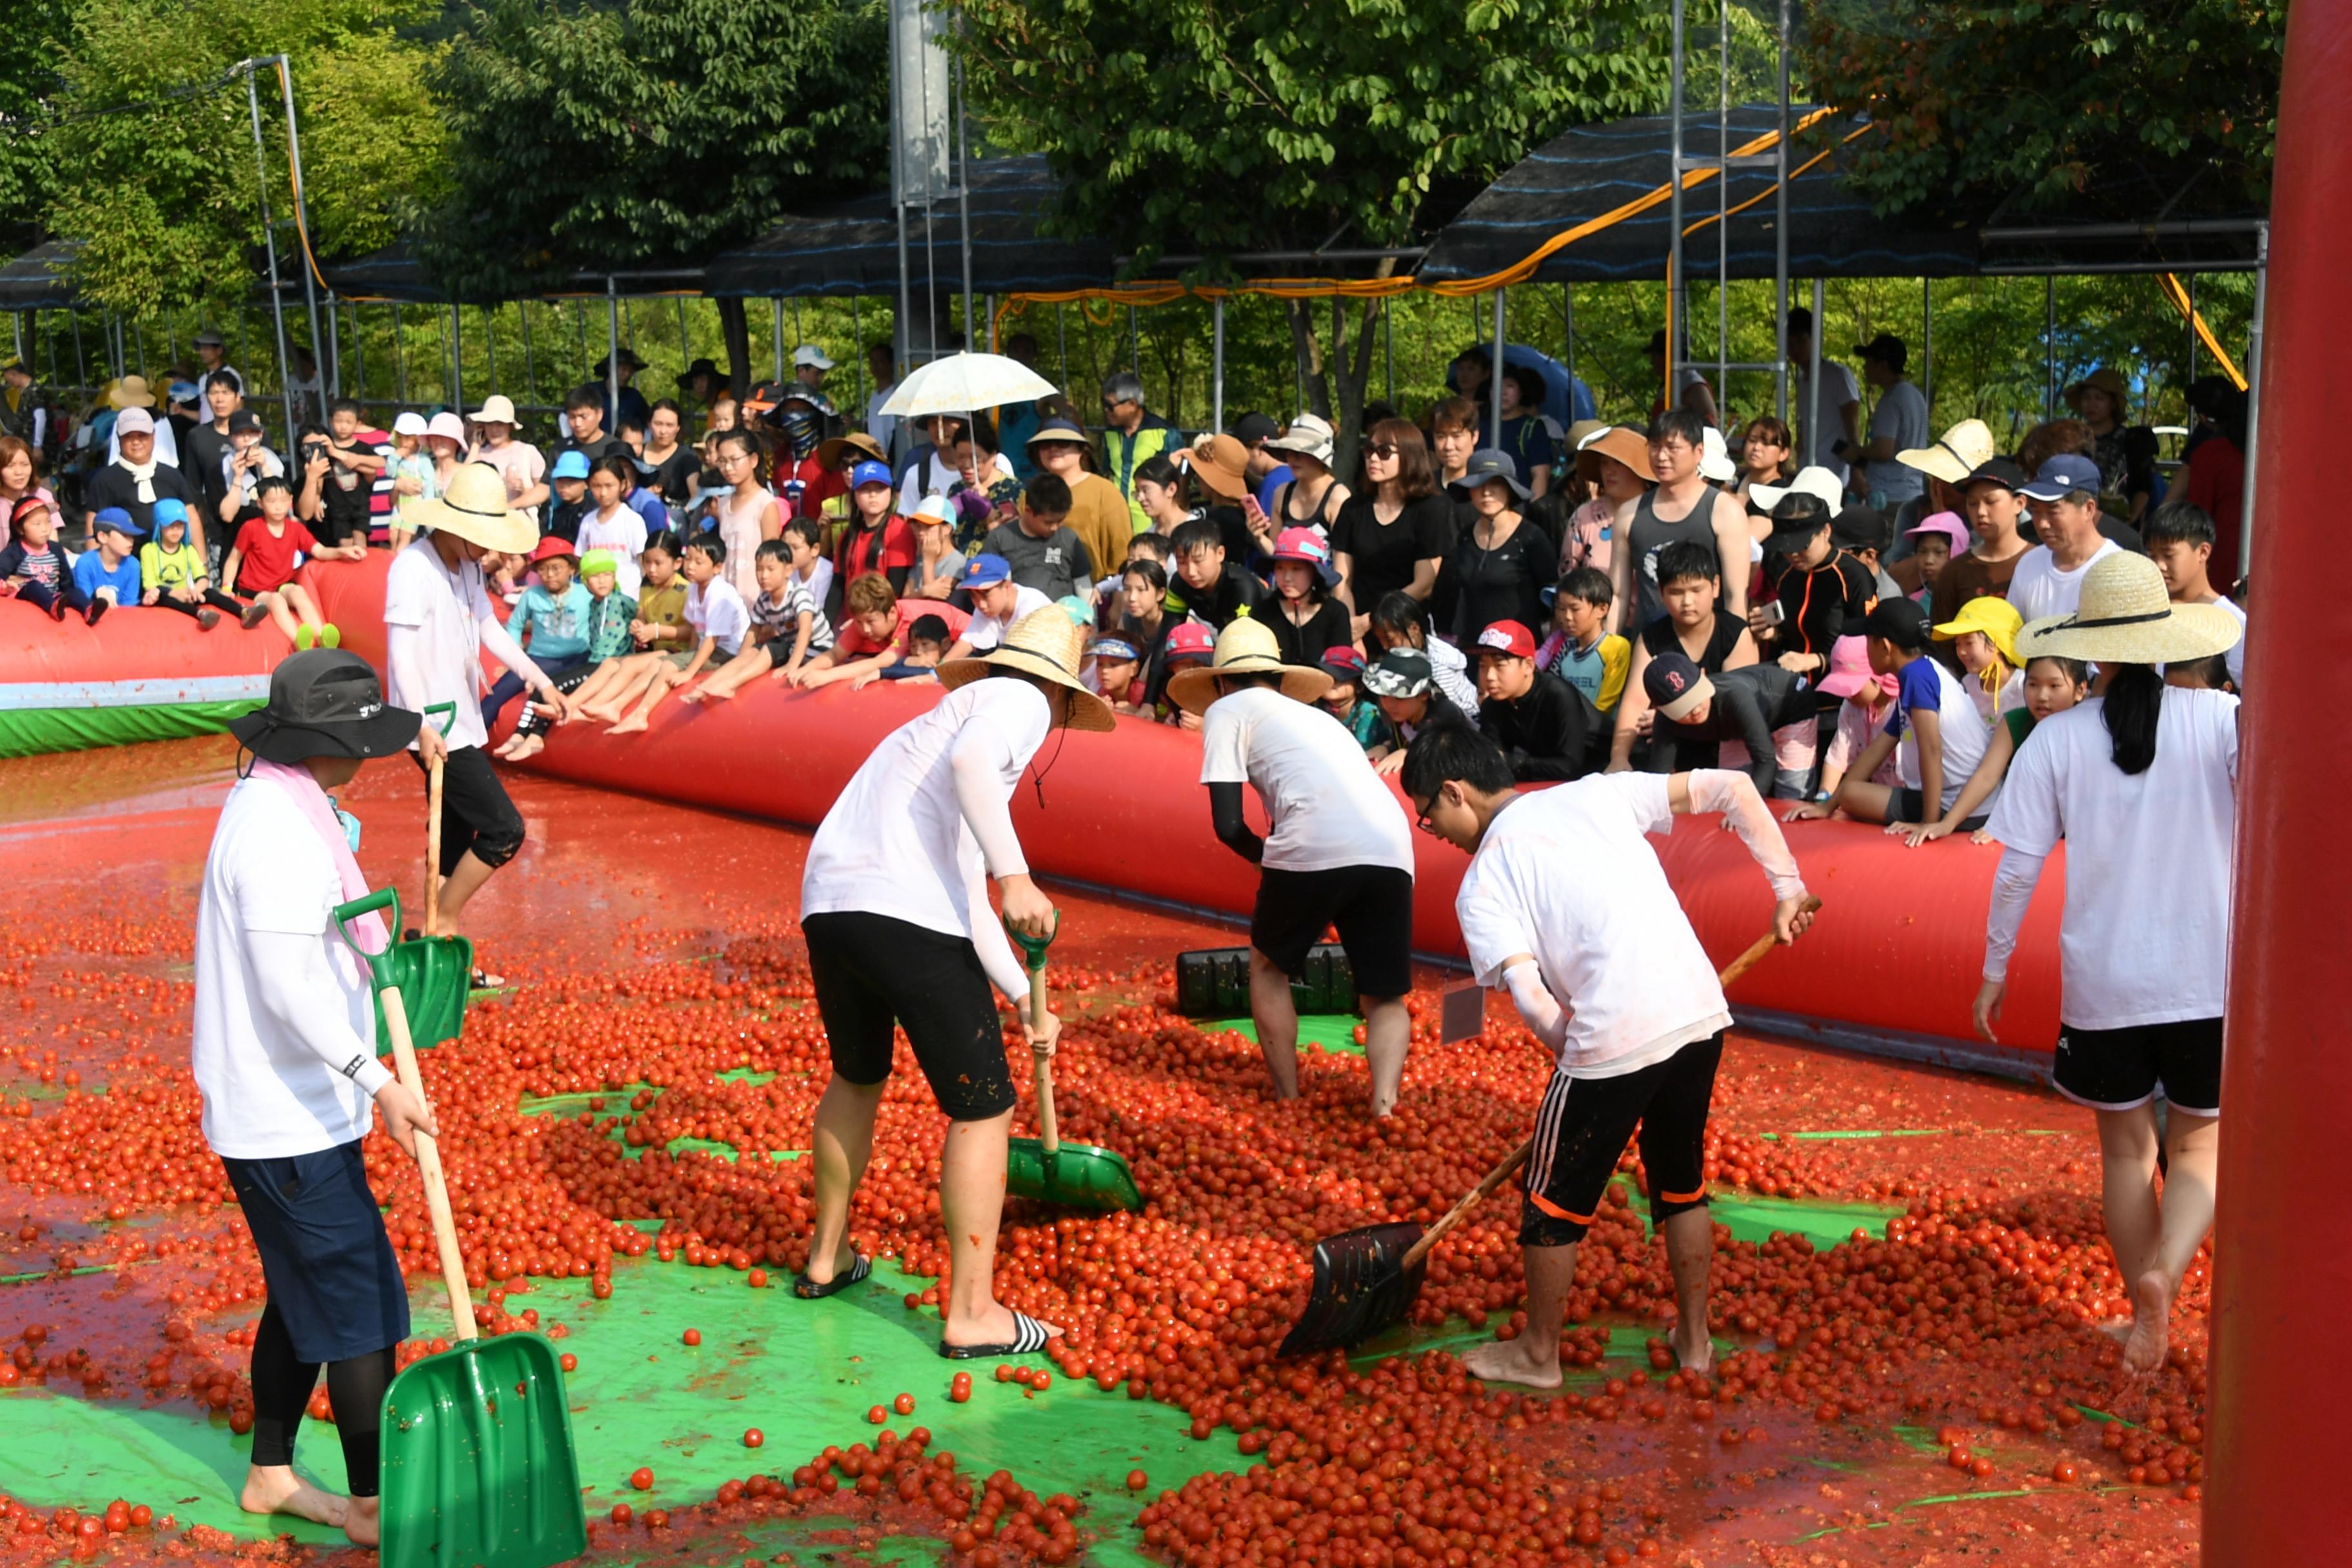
pixel 1080 1175
pixel 437 971
pixel 479 1466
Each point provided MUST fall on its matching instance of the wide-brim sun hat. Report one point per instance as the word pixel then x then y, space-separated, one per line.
pixel 131 392
pixel 1815 481
pixel 447 426
pixel 1624 446
pixel 828 452
pixel 324 702
pixel 1715 464
pixel 496 409
pixel 475 507
pixel 1991 618
pixel 1954 456
pixel 1044 645
pixel 1489 467
pixel 1309 435
pixel 1247 646
pixel 1220 464
pixel 2105 379
pixel 2124 616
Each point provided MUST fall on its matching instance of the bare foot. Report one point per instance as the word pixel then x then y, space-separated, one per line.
pixel 629 726
pixel 2151 1324
pixel 527 747
pixel 276 1488
pixel 364 1525
pixel 603 712
pixel 993 1327
pixel 1519 1361
pixel 1694 1352
pixel 693 694
pixel 720 695
pixel 2116 1329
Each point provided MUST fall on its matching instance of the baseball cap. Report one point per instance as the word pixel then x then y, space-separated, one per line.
pixel 933 508
pixel 115 518
pixel 1190 640
pixel 2061 477
pixel 1400 672
pixel 1342 663
pixel 243 420
pixel 1253 427
pixel 1674 685
pixel 987 570
pixel 1900 622
pixel 1859 528
pixel 813 356
pixel 1303 545
pixel 1509 638
pixel 134 421
pixel 869 472
pixel 1113 648
pixel 1999 471
pixel 570 466
pixel 1849 670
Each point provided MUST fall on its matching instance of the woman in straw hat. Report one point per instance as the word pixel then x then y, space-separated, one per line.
pixel 893 905
pixel 1337 848
pixel 285 1056
pixel 2141 782
pixel 437 620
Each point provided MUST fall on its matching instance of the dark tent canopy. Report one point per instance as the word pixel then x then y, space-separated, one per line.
pixel 1591 170
pixel 395 272
pixel 851 248
pixel 36 280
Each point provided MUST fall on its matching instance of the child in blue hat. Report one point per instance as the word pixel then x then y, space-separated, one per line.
pixel 108 575
pixel 172 571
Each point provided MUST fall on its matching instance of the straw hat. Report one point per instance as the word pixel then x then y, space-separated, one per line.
pixel 1815 481
pixel 1995 618
pixel 475 507
pixel 829 452
pixel 1043 643
pixel 1220 464
pixel 131 392
pixel 1626 445
pixel 1964 448
pixel 1246 646
pixel 2105 379
pixel 2126 618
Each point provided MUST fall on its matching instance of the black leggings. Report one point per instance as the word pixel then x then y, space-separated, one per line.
pixel 573 678
pixel 282 1387
pixel 213 597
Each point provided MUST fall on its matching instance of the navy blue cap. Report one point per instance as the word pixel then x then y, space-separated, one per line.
pixel 2061 477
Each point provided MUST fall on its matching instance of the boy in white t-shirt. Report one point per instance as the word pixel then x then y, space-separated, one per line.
pixel 894 906
pixel 2179 539
pixel 1336 852
pixel 1935 732
pixel 1565 906
pixel 717 618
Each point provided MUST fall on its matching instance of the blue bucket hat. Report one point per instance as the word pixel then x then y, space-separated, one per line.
pixel 571 464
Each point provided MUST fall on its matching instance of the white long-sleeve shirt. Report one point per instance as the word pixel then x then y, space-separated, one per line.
pixel 437 623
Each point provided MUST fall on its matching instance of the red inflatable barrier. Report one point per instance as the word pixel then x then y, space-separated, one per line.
pixel 139 675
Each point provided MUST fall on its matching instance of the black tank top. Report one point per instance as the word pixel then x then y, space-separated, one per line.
pixel 1648 534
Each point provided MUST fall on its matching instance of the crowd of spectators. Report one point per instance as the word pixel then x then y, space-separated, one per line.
pixel 1677 592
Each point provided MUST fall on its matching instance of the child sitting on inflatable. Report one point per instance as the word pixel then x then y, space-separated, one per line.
pixel 261 563
pixel 172 571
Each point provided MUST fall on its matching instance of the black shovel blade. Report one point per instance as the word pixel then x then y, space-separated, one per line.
pixel 1361 1288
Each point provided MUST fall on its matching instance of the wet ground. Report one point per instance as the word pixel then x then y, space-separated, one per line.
pixel 1907 1278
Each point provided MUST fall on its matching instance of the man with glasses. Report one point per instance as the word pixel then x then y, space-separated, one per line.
pixel 1133 435
pixel 1565 906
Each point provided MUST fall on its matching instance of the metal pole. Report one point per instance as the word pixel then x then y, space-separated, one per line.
pixel 971 338
pixel 269 245
pixel 491 342
pixel 301 201
pixel 1217 362
pixel 2191 325
pixel 333 368
pixel 529 361
pixel 1814 372
pixel 1678 291
pixel 1388 352
pixel 456 356
pixel 857 345
pixel 139 342
pixel 1722 207
pixel 399 359
pixel 1134 344
pixel 611 342
pixel 1928 344
pixel 685 353
pixel 2049 348
pixel 1062 343
pixel 81 365
pixel 987 315
pixel 1780 244
pixel 1494 381
pixel 2254 396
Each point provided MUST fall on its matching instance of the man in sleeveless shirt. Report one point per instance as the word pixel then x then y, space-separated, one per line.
pixel 1684 506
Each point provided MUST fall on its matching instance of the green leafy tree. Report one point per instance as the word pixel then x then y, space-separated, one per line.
pixel 29 89
pixel 2047 97
pixel 650 134
pixel 152 159
pixel 1184 128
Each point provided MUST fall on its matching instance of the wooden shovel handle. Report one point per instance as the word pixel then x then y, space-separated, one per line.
pixel 432 849
pixel 1519 1156
pixel 1048 1133
pixel 428 1165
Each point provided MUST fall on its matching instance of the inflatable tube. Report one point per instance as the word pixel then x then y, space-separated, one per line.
pixel 138 674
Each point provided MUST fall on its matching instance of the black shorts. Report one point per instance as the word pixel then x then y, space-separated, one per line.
pixel 1907 804
pixel 1371 905
pixel 475 814
pixel 2117 1069
pixel 1581 1129
pixel 873 970
pixel 325 1257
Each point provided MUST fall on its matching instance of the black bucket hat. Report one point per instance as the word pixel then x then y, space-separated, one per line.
pixel 324 702
pixel 1488 465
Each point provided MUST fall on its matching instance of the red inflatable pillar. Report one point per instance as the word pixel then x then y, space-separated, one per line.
pixel 2281 1364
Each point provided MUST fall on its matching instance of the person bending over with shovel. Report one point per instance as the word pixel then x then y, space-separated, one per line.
pixel 1337 850
pixel 1566 906
pixel 284 1057
pixel 438 619
pixel 894 906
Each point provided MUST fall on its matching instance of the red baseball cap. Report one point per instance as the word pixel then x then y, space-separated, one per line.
pixel 1190 640
pixel 1508 638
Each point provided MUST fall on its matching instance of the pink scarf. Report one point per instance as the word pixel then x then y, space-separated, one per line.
pixel 320 813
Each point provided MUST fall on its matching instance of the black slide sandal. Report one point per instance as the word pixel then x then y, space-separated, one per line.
pixel 1029 1337
pixel 808 1290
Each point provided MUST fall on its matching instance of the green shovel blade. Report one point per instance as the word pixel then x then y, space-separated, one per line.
pixel 1080 1175
pixel 433 975
pixel 479 1466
